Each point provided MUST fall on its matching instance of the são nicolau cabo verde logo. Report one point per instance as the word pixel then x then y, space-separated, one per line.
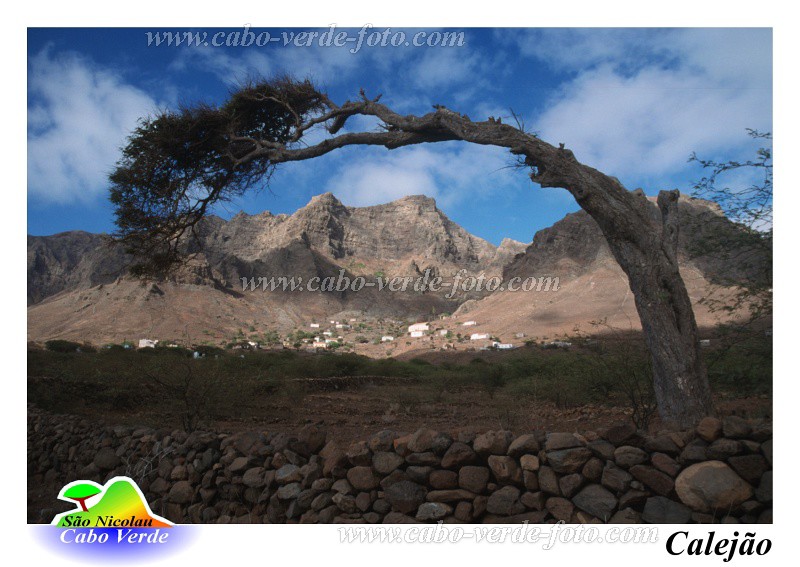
pixel 113 519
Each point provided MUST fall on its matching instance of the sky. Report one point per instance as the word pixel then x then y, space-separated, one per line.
pixel 634 103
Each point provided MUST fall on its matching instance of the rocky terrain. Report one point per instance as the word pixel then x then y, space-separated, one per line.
pixel 721 471
pixel 78 288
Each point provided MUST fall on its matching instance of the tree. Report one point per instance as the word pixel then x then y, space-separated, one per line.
pixel 178 164
pixel 748 243
pixel 81 492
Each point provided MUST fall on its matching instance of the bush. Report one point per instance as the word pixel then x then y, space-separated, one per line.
pixel 58 345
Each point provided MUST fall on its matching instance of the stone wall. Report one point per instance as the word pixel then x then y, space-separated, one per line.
pixel 719 472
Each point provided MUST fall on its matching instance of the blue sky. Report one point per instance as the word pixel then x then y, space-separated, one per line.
pixel 634 103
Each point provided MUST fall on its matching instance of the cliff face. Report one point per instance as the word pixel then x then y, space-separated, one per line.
pixel 78 287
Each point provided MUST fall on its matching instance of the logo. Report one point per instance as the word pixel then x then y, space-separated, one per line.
pixel 114 518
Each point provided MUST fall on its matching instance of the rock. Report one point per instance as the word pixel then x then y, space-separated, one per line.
pixel 621 433
pixel 632 498
pixel 381 506
pixel 363 478
pixel 535 500
pixel 405 496
pixel 505 469
pixel 522 445
pixel 655 480
pixel 560 508
pixel 557 441
pixel 428 459
pixel 441 443
pixel 322 501
pixel 159 486
pixel 342 486
pixel 181 492
pixel 440 479
pixel 359 454
pixel 722 449
pixel 492 443
pixel 593 469
pixel 433 511
pixel 602 449
pixel 749 467
pixel 597 501
pixel 568 461
pixel 531 480
pixel 735 427
pixel 400 445
pixel 764 490
pixel 451 495
pixel 505 502
pixel 384 462
pixel 473 478
pixel 548 481
pixel 382 441
pixel 709 429
pixel 766 450
pixel 344 502
pixel 529 462
pixel 694 452
pixel 661 510
pixel 422 440
pixel 334 460
pixel 398 518
pixel 570 484
pixel 254 477
pixel 419 474
pixel 289 491
pixel 393 477
pixel 665 464
pixel 627 456
pixel 288 474
pixel 458 455
pixel 661 444
pixel 626 516
pixel 363 501
pixel 239 464
pixel 106 459
pixel 711 486
pixel 310 440
pixel 463 511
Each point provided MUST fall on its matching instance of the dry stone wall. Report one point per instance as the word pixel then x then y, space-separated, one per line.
pixel 719 472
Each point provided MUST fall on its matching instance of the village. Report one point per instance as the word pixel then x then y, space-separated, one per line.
pixel 376 338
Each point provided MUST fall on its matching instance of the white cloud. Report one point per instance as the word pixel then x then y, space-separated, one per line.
pixel 78 118
pixel 449 173
pixel 638 111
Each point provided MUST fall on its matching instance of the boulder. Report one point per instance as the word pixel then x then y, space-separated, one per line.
pixel 711 486
pixel 597 501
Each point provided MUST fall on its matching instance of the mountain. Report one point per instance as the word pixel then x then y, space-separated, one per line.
pixel 593 288
pixel 78 287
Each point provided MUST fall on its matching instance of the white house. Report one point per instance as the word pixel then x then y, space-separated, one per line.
pixel 502 346
pixel 327 333
pixel 387 339
pixel 469 323
pixel 319 344
pixel 342 326
pixel 417 333
pixel 443 332
pixel 147 343
pixel 478 336
pixel 314 325
pixel 418 327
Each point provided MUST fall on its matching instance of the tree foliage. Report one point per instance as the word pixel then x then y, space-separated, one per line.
pixel 178 164
pixel 749 246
